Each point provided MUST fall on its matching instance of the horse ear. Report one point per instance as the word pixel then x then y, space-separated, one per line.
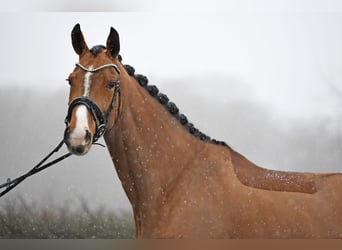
pixel 78 41
pixel 113 43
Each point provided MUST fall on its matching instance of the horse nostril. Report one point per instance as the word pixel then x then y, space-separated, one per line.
pixel 87 137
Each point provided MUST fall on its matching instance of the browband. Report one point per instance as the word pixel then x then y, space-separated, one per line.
pixel 101 67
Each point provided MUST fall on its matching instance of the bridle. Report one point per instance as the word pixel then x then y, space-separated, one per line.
pixel 100 119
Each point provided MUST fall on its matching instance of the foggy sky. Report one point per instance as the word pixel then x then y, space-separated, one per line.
pixel 290 60
pixel 175 5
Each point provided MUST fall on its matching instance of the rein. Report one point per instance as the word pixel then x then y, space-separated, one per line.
pixel 101 121
pixel 10 184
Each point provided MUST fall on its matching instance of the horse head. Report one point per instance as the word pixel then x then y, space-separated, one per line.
pixel 94 99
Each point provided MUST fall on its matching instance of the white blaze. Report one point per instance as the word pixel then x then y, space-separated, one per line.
pixel 87 82
pixel 81 111
pixel 81 125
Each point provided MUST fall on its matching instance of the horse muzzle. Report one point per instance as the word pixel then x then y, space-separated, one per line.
pixel 79 141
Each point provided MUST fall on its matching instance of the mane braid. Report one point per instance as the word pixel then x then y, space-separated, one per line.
pixel 97 49
pixel 170 106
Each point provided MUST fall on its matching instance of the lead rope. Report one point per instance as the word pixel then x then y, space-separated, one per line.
pixel 10 184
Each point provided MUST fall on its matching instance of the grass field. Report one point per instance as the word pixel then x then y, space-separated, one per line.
pixel 18 220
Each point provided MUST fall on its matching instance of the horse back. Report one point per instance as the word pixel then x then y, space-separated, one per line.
pixel 254 176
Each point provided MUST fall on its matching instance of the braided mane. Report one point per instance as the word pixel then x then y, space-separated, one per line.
pixel 170 106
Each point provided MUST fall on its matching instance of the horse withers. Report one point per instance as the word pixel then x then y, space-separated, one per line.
pixel 179 181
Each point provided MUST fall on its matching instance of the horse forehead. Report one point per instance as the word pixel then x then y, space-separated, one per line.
pixel 95 61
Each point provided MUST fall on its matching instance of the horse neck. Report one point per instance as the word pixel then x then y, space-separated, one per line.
pixel 149 147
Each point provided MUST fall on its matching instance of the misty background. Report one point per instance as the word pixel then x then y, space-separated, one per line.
pixel 267 83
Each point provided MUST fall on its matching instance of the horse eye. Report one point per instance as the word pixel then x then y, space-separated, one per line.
pixel 110 85
pixel 69 81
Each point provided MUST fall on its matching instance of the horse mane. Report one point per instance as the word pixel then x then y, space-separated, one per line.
pixel 97 49
pixel 163 100
pixel 170 106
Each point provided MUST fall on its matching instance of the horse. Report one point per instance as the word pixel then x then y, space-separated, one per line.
pixel 179 181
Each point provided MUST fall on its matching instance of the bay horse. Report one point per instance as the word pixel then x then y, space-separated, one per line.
pixel 179 181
